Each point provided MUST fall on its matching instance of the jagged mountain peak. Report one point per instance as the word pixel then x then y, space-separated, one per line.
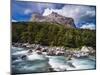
pixel 53 18
pixel 54 14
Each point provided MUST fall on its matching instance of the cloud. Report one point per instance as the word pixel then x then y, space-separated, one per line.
pixel 80 13
pixel 74 11
pixel 90 12
pixel 88 26
pixel 27 11
pixel 14 20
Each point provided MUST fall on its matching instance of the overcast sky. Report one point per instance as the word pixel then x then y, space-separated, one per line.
pixel 84 16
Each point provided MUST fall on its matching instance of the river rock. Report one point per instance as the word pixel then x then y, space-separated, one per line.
pixel 60 53
pixel 24 57
pixel 85 49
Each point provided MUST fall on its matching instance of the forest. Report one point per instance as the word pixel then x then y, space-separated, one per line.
pixel 51 34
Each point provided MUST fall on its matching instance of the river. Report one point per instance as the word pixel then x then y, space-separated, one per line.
pixel 42 63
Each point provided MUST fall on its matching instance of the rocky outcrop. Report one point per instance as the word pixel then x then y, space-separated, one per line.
pixel 54 18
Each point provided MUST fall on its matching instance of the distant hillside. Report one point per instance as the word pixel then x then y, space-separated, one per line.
pixel 54 18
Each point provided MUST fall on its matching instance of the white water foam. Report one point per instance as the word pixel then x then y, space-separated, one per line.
pixel 35 56
pixel 20 53
pixel 83 64
pixel 61 64
pixel 58 63
pixel 41 63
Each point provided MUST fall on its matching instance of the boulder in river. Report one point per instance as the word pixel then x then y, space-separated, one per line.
pixel 85 49
pixel 30 51
pixel 38 52
pixel 24 57
pixel 71 65
pixel 60 53
pixel 88 50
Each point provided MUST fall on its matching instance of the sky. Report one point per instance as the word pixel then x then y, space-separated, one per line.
pixel 84 16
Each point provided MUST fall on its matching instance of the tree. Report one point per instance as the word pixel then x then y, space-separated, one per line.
pixel 52 34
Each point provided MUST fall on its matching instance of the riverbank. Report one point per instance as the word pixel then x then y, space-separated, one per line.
pixel 57 51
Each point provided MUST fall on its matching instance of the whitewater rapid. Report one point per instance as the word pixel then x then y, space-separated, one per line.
pixel 35 63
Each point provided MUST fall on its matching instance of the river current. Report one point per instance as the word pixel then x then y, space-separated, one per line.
pixel 42 63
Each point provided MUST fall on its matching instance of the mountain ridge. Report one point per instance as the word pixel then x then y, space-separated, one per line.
pixel 53 18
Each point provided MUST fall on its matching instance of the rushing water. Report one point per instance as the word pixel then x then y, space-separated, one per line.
pixel 41 63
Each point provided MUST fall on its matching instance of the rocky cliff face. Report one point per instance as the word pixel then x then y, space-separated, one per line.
pixel 54 18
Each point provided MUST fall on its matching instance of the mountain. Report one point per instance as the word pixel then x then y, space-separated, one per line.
pixel 54 18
